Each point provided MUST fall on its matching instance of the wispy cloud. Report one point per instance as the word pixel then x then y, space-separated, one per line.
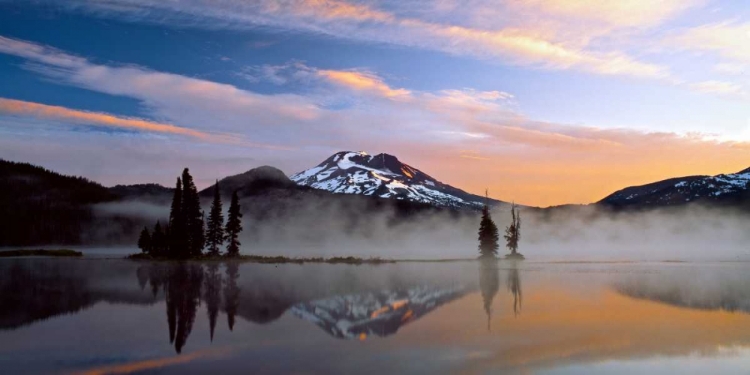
pixel 507 43
pixel 43 111
pixel 728 39
pixel 363 81
pixel 720 88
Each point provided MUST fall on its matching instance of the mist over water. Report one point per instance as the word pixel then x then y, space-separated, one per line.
pixel 582 233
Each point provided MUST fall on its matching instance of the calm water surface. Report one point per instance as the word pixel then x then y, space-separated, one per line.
pixel 100 316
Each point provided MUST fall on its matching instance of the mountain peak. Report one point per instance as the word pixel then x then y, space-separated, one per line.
pixel 383 175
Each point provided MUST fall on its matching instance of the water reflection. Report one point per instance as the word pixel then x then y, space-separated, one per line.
pixel 578 314
pixel 489 284
pixel 185 286
pixel 514 286
pixel 379 313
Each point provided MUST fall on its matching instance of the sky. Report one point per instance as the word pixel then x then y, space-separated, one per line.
pixel 543 102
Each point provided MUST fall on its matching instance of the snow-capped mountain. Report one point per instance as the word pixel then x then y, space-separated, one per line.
pixel 723 188
pixel 357 316
pixel 384 176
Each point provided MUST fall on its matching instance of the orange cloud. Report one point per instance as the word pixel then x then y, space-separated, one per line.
pixel 364 82
pixel 519 45
pixel 22 108
pixel 331 9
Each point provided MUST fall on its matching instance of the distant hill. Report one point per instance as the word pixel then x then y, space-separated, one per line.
pixel 721 190
pixel 38 206
pixel 385 176
pixel 254 181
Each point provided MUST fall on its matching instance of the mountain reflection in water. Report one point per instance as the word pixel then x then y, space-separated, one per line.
pixel 434 318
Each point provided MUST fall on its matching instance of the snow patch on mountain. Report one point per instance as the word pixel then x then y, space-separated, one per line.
pixel 384 176
pixel 682 190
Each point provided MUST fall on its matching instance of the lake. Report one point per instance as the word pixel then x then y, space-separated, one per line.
pixel 111 316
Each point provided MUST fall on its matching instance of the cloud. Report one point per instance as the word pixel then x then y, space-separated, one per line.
pixel 361 21
pixel 729 39
pixel 720 88
pixel 190 102
pixel 23 108
pixel 619 14
pixel 363 81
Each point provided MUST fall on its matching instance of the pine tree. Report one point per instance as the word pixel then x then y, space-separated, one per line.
pixel 234 227
pixel 513 231
pixel 488 235
pixel 158 241
pixel 177 243
pixel 144 241
pixel 215 230
pixel 192 215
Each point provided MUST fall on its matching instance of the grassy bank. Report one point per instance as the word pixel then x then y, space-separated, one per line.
pixel 40 252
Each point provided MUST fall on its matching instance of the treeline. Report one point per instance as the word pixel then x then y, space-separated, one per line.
pixel 187 234
pixel 38 206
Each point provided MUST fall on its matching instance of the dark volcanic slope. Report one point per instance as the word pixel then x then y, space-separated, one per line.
pixel 723 189
pixel 384 176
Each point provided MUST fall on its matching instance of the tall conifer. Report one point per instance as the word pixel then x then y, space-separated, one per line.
pixel 488 235
pixel 234 227
pixel 192 215
pixel 177 236
pixel 215 230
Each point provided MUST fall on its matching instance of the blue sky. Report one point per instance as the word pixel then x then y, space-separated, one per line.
pixel 543 101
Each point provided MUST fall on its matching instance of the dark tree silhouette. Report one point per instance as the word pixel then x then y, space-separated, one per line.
pixel 158 241
pixel 212 295
pixel 489 284
pixel 192 215
pixel 177 235
pixel 183 297
pixel 231 293
pixel 41 207
pixel 488 235
pixel 215 231
pixel 513 231
pixel 144 241
pixel 234 227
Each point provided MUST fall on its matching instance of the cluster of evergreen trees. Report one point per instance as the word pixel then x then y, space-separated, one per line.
pixel 489 235
pixel 187 234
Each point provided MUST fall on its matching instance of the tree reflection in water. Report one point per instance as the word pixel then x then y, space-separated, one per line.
pixel 489 284
pixel 184 286
pixel 514 286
